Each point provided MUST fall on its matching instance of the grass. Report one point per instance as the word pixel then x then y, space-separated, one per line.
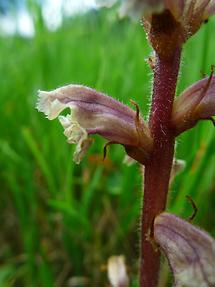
pixel 60 220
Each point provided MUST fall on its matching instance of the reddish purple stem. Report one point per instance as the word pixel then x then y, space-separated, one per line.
pixel 157 170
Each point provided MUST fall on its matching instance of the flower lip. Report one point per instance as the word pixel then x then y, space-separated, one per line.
pixel 50 107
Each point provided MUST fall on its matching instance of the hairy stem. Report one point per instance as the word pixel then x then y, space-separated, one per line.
pixel 157 170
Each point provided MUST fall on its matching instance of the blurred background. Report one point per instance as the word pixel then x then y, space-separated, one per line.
pixel 60 222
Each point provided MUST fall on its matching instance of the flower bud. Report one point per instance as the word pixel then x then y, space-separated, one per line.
pixel 189 250
pixel 195 103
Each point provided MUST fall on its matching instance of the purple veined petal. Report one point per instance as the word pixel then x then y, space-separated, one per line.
pixel 210 10
pixel 198 3
pixel 184 18
pixel 189 250
pixel 193 16
pixel 206 107
pixel 78 94
pixel 176 7
pixel 94 113
pixel 189 7
pixel 195 103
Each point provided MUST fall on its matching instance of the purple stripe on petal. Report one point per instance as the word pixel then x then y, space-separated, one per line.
pixel 88 95
pixel 100 108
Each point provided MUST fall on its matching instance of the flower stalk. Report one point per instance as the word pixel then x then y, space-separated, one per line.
pixel 157 170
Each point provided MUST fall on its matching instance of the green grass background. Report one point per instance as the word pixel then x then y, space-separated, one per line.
pixel 60 220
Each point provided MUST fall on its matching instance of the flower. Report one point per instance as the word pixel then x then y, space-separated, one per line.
pixel 95 113
pixel 195 103
pixel 168 23
pixel 189 250
pixel 117 273
pixel 190 14
pixel 177 21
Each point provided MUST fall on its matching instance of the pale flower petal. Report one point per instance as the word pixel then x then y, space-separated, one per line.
pixel 117 273
pixel 76 135
pixel 210 10
pixel 51 108
pixel 189 250
pixel 81 149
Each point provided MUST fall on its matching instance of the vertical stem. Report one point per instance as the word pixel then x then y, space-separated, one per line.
pixel 157 171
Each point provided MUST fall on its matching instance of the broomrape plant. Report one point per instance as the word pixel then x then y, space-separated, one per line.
pixel 168 24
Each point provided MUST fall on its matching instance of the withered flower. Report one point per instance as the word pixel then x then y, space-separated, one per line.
pixel 91 113
pixel 189 250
